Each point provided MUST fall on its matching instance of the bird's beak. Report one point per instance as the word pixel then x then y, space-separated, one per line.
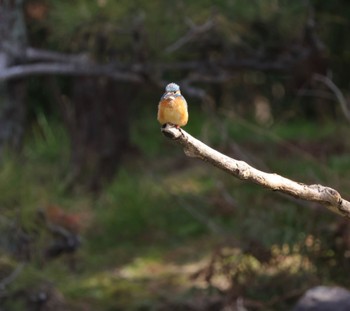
pixel 169 96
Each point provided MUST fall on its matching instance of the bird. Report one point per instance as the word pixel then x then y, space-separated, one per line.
pixel 172 108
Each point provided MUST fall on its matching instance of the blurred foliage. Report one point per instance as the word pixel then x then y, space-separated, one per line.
pixel 140 31
pixel 143 246
pixel 170 230
pixel 110 25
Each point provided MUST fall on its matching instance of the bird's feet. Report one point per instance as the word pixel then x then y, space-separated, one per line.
pixel 170 124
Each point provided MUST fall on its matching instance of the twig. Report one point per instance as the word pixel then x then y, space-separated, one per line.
pixel 193 32
pixel 337 92
pixel 326 196
pixel 9 279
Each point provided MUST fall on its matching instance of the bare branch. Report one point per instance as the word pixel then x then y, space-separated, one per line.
pixel 21 71
pixel 33 54
pixel 193 32
pixel 337 92
pixel 325 196
pixel 44 62
pixel 243 154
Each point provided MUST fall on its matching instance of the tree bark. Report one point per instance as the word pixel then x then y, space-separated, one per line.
pixel 326 196
pixel 98 122
pixel 13 41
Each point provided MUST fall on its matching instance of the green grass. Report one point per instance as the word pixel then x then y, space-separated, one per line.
pixel 151 228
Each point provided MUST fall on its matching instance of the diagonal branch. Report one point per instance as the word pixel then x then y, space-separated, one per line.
pixel 326 196
pixel 337 92
pixel 194 31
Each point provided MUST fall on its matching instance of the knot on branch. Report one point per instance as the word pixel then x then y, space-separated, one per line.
pixel 330 194
pixel 334 193
pixel 190 152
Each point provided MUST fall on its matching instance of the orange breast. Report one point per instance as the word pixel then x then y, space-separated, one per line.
pixel 173 111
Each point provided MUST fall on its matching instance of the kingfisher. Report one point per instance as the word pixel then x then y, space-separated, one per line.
pixel 172 108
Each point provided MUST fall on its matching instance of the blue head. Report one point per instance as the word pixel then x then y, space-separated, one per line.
pixel 172 90
pixel 172 87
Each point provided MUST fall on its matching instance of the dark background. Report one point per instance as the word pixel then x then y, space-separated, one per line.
pixel 100 211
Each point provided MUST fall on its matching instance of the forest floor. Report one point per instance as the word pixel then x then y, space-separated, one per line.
pixel 173 233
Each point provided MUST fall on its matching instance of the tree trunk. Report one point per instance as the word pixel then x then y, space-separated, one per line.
pixel 98 122
pixel 13 41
